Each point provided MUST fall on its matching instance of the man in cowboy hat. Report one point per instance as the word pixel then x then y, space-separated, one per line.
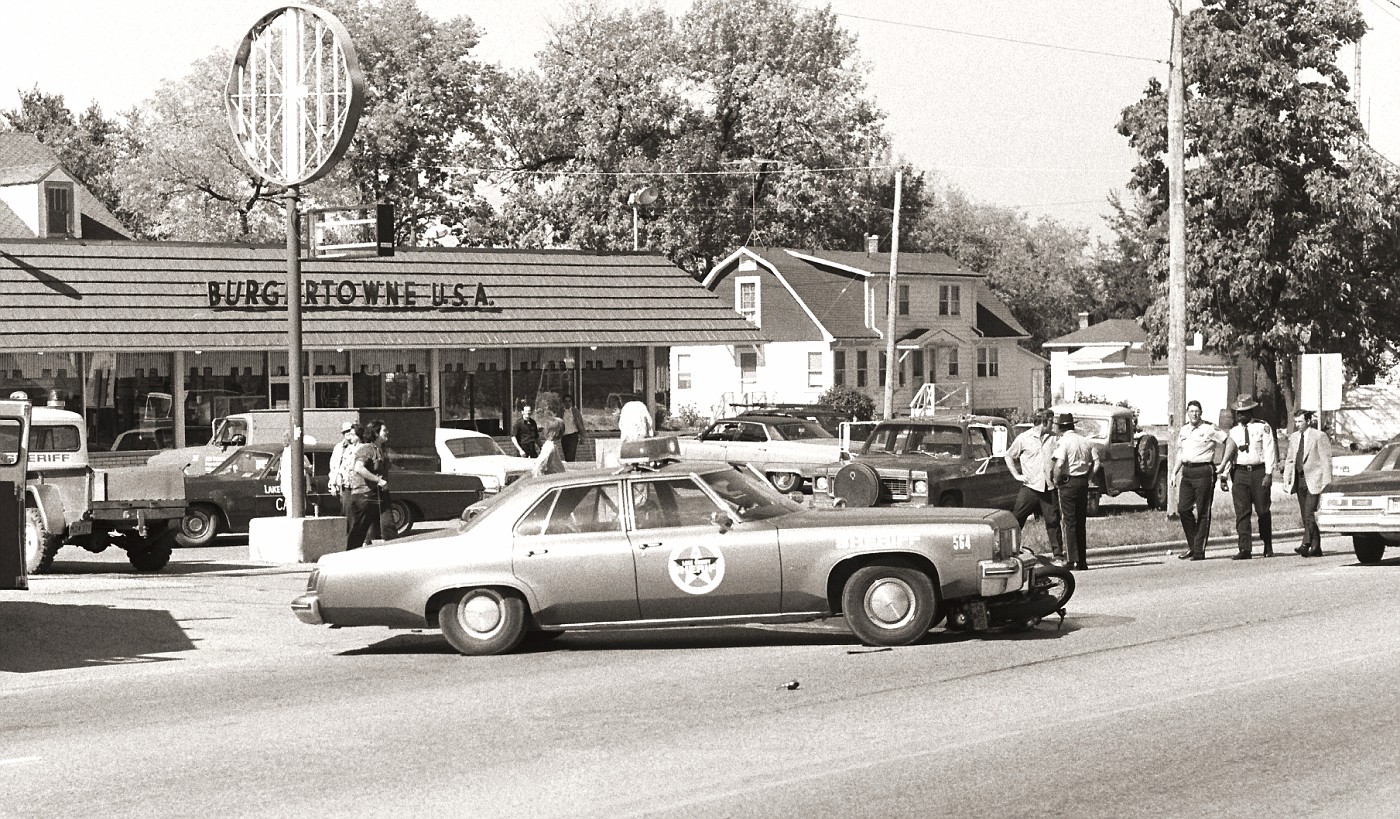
pixel 1073 466
pixel 1252 475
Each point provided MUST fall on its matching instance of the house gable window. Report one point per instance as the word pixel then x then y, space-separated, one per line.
pixel 58 204
pixel 747 299
pixel 988 362
pixel 814 369
pixel 949 300
pixel 838 368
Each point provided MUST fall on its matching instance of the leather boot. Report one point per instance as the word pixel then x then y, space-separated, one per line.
pixel 1268 550
pixel 1304 550
pixel 1316 550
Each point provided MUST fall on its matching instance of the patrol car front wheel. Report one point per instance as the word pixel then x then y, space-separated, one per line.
pixel 483 621
pixel 889 605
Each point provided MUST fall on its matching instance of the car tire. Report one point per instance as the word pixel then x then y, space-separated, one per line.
pixel 1369 549
pixel 785 481
pixel 1147 458
pixel 1157 495
pixel 889 605
pixel 950 500
pixel 40 546
pixel 397 520
pixel 154 554
pixel 857 484
pixel 199 526
pixel 479 622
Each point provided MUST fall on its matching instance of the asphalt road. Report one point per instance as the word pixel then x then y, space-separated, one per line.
pixel 1219 688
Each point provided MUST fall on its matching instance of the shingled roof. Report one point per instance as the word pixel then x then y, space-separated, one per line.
pixel 82 295
pixel 24 160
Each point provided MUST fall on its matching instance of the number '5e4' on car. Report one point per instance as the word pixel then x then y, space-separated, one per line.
pixel 662 542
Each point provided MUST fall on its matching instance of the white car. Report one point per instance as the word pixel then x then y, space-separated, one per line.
pixel 466 452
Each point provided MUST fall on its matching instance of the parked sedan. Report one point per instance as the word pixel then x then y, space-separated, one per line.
pixel 788 449
pixel 465 452
pixel 1365 505
pixel 661 542
pixel 247 485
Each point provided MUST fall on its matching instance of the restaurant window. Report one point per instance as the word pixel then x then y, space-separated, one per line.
pixel 44 378
pixel 949 300
pixel 218 384
pixel 382 378
pixel 472 389
pixel 58 200
pixel 128 392
pixel 611 377
pixel 904 299
pixel 987 362
pixel 862 363
pixel 814 369
pixel 838 368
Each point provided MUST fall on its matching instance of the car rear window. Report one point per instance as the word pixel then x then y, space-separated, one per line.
pixel 800 431
pixel 472 447
pixel 54 439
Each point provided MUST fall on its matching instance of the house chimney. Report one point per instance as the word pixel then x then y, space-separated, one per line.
pixel 1083 319
pixel 872 243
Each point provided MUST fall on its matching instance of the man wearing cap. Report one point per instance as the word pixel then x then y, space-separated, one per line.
pixel 1252 475
pixel 1028 460
pixel 1073 465
pixel 1193 471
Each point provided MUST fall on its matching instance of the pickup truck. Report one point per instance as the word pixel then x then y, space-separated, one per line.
pixel 1133 460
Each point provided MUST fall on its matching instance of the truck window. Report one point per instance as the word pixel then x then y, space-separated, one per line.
pixel 9 442
pixel 54 439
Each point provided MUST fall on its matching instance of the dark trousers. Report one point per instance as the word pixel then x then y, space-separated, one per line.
pixel 1074 512
pixel 1193 502
pixel 362 519
pixel 569 442
pixel 1028 502
pixel 1250 493
pixel 1307 505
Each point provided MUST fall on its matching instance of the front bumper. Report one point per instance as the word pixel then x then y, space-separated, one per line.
pixel 307 608
pixel 998 577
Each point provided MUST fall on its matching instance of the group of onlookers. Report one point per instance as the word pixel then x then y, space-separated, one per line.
pixel 552 442
pixel 359 474
pixel 1056 466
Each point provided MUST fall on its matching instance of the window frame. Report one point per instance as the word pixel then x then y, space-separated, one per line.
pixel 814 373
pixel 949 300
pixel 754 316
pixel 66 189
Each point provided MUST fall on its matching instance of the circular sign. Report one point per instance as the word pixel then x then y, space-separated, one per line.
pixel 697 569
pixel 294 94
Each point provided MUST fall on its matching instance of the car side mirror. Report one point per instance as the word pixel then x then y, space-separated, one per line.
pixel 723 521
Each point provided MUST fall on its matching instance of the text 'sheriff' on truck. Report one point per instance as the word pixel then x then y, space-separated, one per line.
pixel 66 501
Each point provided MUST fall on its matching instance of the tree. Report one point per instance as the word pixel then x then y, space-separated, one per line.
pixel 1121 271
pixel 1290 217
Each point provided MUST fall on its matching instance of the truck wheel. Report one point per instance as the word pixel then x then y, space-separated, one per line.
pixel 1148 458
pixel 1092 504
pixel 951 500
pixel 785 482
pixel 156 552
pixel 40 546
pixel 1369 548
pixel 199 526
pixel 1157 495
pixel 889 605
pixel 483 621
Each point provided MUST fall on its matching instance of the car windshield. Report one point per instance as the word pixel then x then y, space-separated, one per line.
pixel 935 440
pixel 472 447
pixel 749 497
pixel 1093 427
pixel 802 430
pixel 245 463
pixel 1387 460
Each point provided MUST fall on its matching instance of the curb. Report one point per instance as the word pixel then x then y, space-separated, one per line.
pixel 1170 546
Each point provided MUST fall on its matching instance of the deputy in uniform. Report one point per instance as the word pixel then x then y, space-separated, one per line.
pixel 1073 465
pixel 1193 471
pixel 1252 476
pixel 1028 460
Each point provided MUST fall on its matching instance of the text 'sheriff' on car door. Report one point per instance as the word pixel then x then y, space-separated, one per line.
pixel 686 566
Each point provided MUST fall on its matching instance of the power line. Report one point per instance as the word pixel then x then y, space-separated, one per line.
pixel 1014 40
pixel 654 173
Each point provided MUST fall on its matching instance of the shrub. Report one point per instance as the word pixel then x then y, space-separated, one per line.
pixel 851 402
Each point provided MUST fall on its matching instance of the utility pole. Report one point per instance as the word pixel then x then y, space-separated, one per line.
pixel 893 301
pixel 1176 236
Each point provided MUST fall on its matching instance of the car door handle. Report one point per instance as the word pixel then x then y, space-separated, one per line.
pixel 533 552
pixel 648 545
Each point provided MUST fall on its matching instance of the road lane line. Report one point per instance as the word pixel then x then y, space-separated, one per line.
pixel 20 759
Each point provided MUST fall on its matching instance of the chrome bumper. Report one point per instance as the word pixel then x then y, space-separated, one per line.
pixel 307 608
pixel 1004 576
pixel 1350 522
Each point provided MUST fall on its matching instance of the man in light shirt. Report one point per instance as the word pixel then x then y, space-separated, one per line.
pixel 1072 467
pixel 1252 476
pixel 1193 471
pixel 1028 459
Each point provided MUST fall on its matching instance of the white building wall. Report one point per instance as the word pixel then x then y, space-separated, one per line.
pixel 716 383
pixel 1148 393
pixel 24 201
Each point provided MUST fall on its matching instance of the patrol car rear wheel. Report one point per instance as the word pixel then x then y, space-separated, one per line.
pixel 483 621
pixel 889 605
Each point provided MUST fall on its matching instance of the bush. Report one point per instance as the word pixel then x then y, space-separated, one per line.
pixel 850 402
pixel 690 417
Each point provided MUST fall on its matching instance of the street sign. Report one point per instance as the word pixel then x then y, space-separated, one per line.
pixel 1321 381
pixel 353 232
pixel 294 94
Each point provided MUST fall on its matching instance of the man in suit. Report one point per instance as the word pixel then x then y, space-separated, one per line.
pixel 1306 471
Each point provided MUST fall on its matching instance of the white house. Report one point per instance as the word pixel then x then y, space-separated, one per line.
pixel 824 315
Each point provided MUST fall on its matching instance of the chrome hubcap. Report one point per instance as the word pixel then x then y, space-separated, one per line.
pixel 481 614
pixel 890 603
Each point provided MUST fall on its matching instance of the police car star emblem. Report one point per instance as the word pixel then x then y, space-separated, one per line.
pixel 696 569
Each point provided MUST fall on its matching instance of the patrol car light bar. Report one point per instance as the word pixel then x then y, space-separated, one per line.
pixel 650 450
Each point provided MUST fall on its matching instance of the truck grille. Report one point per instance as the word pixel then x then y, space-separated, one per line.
pixel 896 488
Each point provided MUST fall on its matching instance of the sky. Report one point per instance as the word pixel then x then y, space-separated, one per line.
pixel 1012 101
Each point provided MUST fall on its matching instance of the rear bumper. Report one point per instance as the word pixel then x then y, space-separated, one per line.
pixel 307 608
pixel 1346 523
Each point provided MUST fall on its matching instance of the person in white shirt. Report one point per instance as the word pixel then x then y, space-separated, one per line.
pixel 1252 476
pixel 1193 472
pixel 1028 459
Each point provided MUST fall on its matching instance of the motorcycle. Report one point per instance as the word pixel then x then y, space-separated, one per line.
pixel 1048 592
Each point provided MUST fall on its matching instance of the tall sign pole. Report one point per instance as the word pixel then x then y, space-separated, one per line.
pixel 892 304
pixel 293 98
pixel 1176 235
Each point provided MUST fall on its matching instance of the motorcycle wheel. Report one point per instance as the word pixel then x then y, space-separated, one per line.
pixel 1057 581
